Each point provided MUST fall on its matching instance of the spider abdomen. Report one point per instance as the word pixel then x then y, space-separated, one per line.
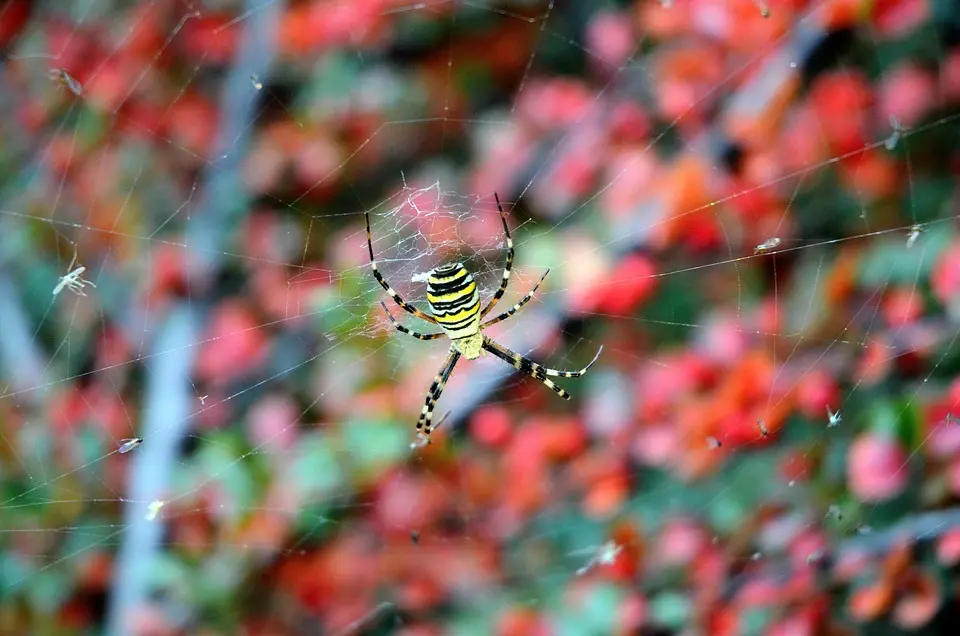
pixel 454 301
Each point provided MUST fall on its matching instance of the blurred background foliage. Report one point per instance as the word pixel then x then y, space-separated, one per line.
pixel 766 445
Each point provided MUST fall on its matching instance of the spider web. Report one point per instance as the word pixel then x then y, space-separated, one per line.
pixel 212 181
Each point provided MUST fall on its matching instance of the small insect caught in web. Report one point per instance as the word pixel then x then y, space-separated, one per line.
pixel 815 557
pixel 767 246
pixel 154 509
pixel 606 555
pixel 833 419
pixel 915 232
pixel 255 80
pixel 713 442
pixel 891 142
pixel 835 512
pixel 73 280
pixel 764 431
pixel 63 78
pixel 127 445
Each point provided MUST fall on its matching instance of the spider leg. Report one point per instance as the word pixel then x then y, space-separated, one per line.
pixel 376 273
pixel 534 370
pixel 516 307
pixel 402 329
pixel 506 270
pixel 433 394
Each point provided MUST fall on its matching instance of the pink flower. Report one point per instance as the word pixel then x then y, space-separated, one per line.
pixel 629 123
pixel 944 440
pixel 816 391
pixel 896 19
pixel 948 548
pixel 876 468
pixel 628 176
pixel 318 160
pixel 681 540
pixel 723 340
pixel 656 445
pixel 611 38
pixel 632 613
pixel 907 93
pixel 950 76
pixel 272 422
pixel 408 502
pixel 555 103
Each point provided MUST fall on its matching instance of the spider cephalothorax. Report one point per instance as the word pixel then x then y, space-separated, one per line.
pixel 455 304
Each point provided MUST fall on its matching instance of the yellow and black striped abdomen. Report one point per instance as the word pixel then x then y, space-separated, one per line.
pixel 454 300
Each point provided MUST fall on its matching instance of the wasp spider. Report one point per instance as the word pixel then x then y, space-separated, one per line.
pixel 455 304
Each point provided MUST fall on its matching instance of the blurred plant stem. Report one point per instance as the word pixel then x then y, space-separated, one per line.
pixel 20 358
pixel 169 399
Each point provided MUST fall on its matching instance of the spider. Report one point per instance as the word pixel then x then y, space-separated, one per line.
pixel 455 304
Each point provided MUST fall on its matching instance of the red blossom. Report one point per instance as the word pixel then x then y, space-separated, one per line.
pixel 191 123
pixel 816 391
pixel 631 284
pixel 235 343
pixel 871 174
pixel 491 426
pixel 16 14
pixel 629 124
pixel 211 36
pixel 841 101
pixel 902 306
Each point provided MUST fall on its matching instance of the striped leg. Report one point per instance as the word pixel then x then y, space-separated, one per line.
pixel 506 270
pixel 402 329
pixel 433 394
pixel 516 307
pixel 376 273
pixel 534 370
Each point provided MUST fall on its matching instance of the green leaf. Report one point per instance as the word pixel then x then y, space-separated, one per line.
pixel 599 611
pixel 910 424
pixel 670 609
pixel 315 470
pixel 755 620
